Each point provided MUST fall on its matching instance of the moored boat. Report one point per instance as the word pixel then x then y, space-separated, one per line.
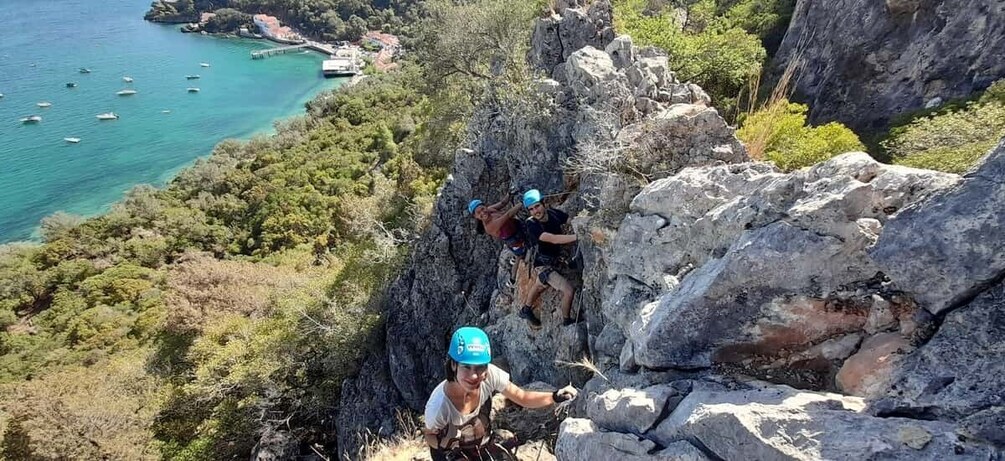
pixel 192 77
pixel 71 85
pixel 44 104
pixel 127 79
pixel 192 90
pixel 204 64
pixel 84 70
pixel 107 116
pixel 31 119
pixel 72 140
pixel 125 92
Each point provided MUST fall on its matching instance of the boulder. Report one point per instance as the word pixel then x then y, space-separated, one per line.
pixel 581 439
pixel 960 372
pixel 557 36
pixel 621 51
pixel 945 250
pixel 759 270
pixel 633 411
pixel 779 423
pixel 867 373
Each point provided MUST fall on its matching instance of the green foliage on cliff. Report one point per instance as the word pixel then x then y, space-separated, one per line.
pixel 718 44
pixel 239 296
pixel 191 319
pixel 951 139
pixel 778 133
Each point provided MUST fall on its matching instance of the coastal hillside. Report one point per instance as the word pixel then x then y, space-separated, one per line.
pixel 751 285
pixel 733 309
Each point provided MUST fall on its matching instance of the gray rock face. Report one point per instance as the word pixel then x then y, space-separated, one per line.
pixel 453 278
pixel 581 439
pixel 779 423
pixel 556 37
pixel 946 250
pixel 755 268
pixel 891 57
pixel 633 411
pixel 960 373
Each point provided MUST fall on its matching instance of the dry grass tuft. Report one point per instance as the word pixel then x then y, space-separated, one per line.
pixel 584 363
pixel 406 446
pixel 776 104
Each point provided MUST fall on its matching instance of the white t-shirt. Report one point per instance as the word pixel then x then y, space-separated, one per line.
pixel 443 417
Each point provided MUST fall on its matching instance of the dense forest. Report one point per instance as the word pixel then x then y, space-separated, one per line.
pixel 189 320
pixel 323 19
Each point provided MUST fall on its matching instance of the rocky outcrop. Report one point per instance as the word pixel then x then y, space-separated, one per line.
pixel 751 268
pixel 570 28
pixel 779 423
pixel 960 374
pixel 945 251
pixel 743 270
pixel 518 144
pixel 710 283
pixel 866 61
pixel 755 421
pixel 581 439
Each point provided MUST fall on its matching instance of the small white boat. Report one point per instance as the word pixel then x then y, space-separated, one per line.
pixel 44 104
pixel 72 140
pixel 165 111
pixel 31 119
pixel 192 90
pixel 204 64
pixel 126 92
pixel 1 95
pixel 84 70
pixel 192 77
pixel 127 79
pixel 107 116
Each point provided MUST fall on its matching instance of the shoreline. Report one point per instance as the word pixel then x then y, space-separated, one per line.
pixel 88 208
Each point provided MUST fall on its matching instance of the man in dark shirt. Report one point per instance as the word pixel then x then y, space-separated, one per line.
pixel 544 227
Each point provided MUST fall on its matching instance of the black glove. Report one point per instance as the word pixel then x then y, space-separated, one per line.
pixel 564 394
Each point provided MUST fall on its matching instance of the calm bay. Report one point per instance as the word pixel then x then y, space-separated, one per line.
pixel 161 128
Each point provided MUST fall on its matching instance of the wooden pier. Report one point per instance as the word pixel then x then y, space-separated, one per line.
pixel 311 45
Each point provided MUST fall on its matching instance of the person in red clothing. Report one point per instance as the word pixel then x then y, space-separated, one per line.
pixel 500 224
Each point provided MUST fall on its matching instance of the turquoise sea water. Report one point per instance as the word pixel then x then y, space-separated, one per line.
pixel 45 42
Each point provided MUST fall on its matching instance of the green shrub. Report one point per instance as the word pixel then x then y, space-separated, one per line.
pixel 951 142
pixel 779 133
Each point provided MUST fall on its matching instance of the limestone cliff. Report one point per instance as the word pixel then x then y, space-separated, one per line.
pixel 867 61
pixel 849 310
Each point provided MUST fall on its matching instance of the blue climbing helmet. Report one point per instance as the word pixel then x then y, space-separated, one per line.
pixel 531 197
pixel 473 205
pixel 470 346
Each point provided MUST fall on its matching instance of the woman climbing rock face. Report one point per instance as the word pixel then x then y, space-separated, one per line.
pixel 457 412
pixel 498 224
